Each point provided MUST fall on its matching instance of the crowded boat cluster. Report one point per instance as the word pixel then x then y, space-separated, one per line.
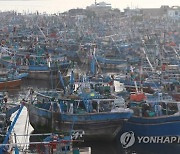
pixel 110 72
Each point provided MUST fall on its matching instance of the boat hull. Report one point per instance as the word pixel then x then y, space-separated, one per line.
pixel 153 126
pixel 99 126
pixel 96 129
pixel 45 75
pixel 40 72
pixel 10 84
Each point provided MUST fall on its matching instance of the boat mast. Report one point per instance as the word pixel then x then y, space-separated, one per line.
pixel 141 74
pixel 147 58
pixel 52 124
pixel 135 83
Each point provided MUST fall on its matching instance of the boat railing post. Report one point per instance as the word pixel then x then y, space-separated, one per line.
pixel 71 108
pixel 59 105
pixel 140 111
pixel 16 148
pixel 159 96
pixel 31 96
pixel 98 102
pixel 166 108
pixel 52 114
pixel 178 105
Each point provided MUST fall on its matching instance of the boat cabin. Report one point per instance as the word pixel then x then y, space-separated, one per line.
pixel 91 106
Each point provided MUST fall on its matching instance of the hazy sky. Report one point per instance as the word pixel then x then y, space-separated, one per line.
pixel 63 5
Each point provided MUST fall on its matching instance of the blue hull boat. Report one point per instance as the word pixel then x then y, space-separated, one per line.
pixel 154 117
pixel 100 118
pixel 37 66
pixel 97 126
pixel 156 126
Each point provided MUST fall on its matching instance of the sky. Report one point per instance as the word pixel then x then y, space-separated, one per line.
pixel 53 6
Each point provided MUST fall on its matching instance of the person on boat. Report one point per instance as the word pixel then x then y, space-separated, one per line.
pixel 158 109
pixel 145 109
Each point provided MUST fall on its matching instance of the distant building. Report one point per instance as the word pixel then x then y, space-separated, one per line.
pixel 174 12
pixel 155 12
pixel 148 12
pixel 76 11
pixel 99 7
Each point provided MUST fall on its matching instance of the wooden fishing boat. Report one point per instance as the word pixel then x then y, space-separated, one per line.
pixel 8 84
pixel 101 118
pixel 110 62
pixel 11 80
pixel 38 66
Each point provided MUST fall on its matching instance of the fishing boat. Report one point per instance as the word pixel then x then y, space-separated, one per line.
pixel 101 117
pixel 132 82
pixel 130 85
pixel 9 83
pixel 154 115
pixel 110 62
pixel 38 65
pixel 11 80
